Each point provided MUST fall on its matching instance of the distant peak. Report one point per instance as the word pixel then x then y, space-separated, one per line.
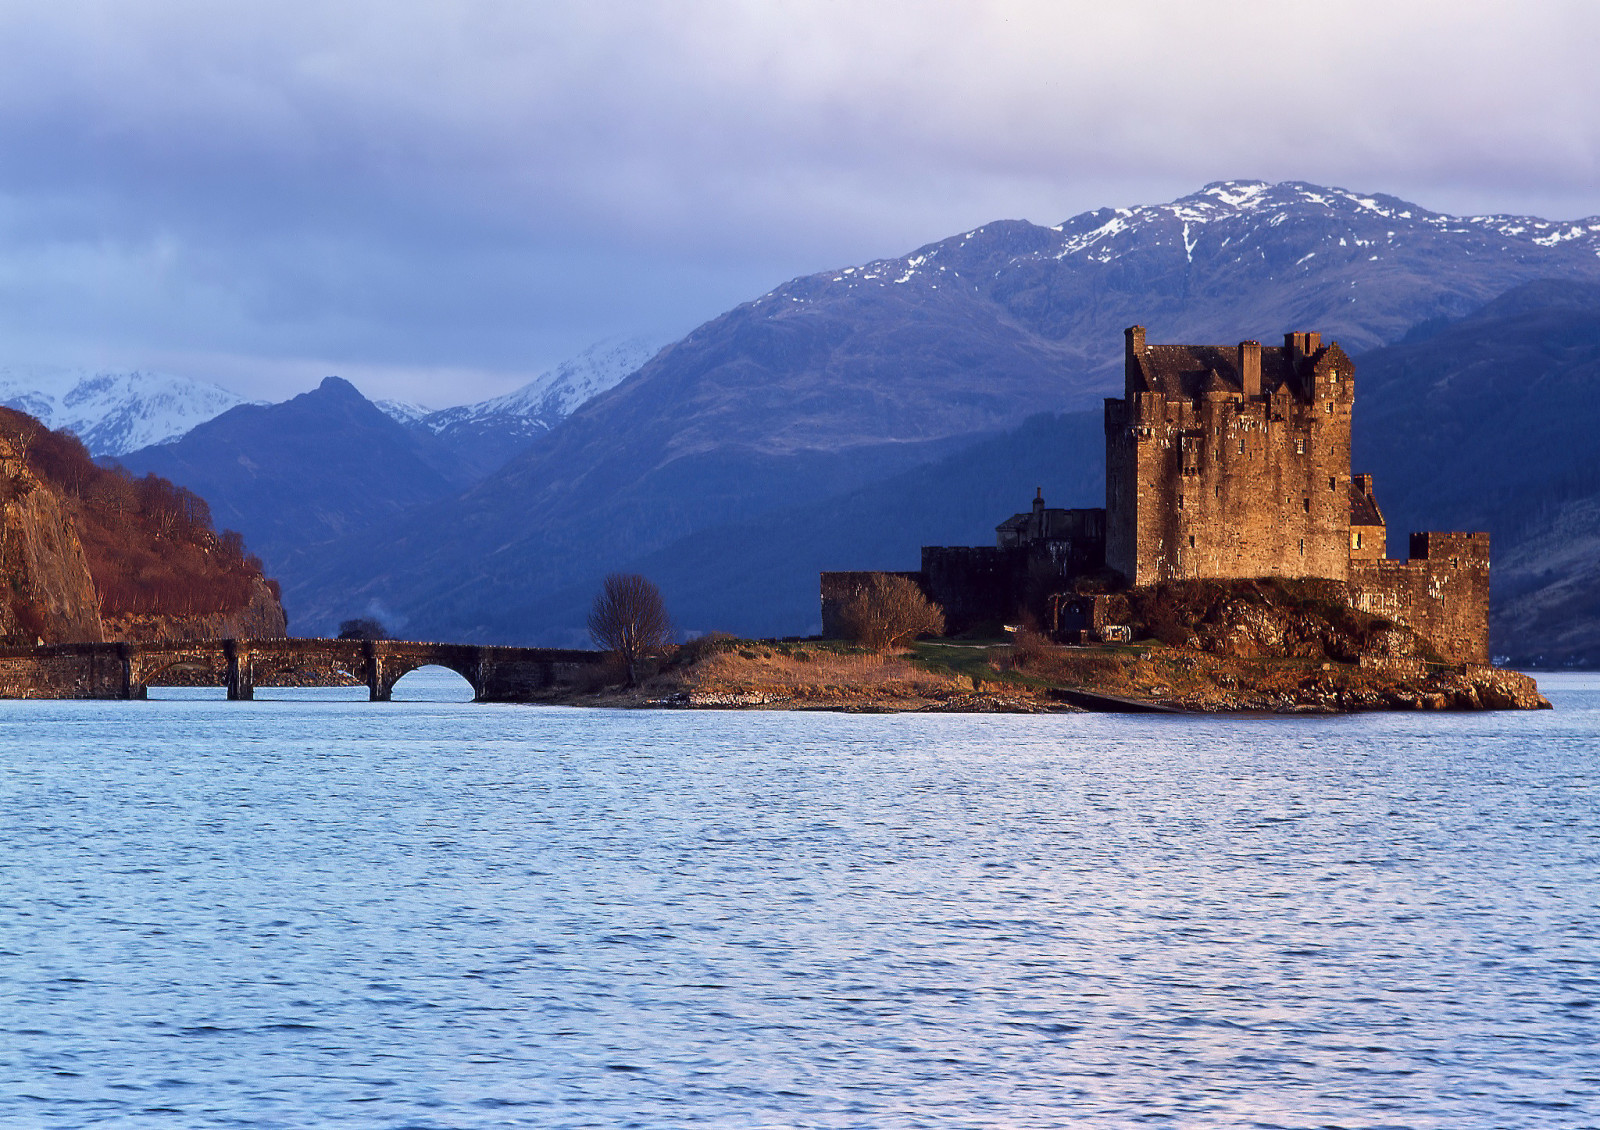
pixel 339 390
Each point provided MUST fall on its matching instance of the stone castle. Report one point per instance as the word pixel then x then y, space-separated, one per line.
pixel 1222 462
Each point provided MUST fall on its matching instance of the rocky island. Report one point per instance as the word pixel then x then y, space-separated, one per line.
pixel 1252 646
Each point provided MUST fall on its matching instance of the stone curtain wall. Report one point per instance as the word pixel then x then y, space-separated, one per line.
pixel 1442 593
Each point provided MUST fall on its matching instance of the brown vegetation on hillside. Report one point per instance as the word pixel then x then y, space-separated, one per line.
pixel 149 544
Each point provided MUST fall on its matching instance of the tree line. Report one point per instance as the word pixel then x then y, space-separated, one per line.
pixel 150 544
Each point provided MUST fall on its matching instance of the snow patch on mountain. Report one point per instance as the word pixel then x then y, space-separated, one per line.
pixel 1237 213
pixel 115 413
pixel 554 395
pixel 403 411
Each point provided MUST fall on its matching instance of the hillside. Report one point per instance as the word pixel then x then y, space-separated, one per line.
pixel 838 380
pixel 92 553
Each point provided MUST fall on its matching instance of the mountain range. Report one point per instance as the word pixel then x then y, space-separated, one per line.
pixel 842 403
pixel 834 381
pixel 114 413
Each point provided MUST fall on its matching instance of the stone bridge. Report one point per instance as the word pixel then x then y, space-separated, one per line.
pixel 126 670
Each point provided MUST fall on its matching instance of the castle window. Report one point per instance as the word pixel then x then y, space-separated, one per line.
pixel 1302 547
pixel 1306 503
pixel 1299 447
pixel 1355 540
pixel 1217 491
pixel 1180 502
pixel 1330 408
pixel 1191 541
pixel 1333 483
pixel 1241 445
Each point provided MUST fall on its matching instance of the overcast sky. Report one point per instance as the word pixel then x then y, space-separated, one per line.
pixel 438 200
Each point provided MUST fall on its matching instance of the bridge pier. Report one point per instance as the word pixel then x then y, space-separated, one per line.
pixel 378 689
pixel 129 686
pixel 241 672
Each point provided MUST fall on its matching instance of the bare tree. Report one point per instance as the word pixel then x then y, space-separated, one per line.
pixel 629 619
pixel 889 612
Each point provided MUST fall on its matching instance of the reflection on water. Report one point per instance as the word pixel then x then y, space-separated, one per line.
pixel 313 910
pixel 425 684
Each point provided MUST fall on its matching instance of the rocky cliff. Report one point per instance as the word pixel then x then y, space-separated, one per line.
pixel 89 554
pixel 49 595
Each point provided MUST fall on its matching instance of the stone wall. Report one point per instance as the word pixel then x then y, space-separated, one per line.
pixel 1442 593
pixel 64 671
pixel 976 585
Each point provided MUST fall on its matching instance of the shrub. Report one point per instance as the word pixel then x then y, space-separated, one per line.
pixel 889 612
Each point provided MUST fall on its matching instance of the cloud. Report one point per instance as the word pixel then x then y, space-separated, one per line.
pixel 483 186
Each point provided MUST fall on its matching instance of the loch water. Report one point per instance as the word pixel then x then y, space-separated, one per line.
pixel 311 910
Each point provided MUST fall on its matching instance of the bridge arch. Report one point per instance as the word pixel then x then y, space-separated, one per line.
pixel 147 667
pixel 433 682
pixel 390 664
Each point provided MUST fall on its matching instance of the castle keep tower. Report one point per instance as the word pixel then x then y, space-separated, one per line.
pixel 1230 462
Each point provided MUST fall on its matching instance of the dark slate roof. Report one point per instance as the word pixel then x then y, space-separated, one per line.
pixel 1192 370
pixel 1059 522
pixel 1364 508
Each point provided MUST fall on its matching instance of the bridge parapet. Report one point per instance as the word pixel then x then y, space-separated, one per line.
pixel 125 670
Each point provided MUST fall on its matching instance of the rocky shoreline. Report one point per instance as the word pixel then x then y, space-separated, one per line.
pixel 957 677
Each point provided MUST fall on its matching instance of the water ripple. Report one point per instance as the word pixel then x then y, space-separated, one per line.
pixel 321 912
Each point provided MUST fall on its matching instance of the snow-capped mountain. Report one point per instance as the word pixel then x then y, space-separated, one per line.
pixel 115 413
pixel 1235 257
pixel 555 394
pixel 403 411
pixel 490 432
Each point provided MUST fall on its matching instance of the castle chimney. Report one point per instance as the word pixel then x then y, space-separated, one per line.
pixel 1132 380
pixel 1362 483
pixel 1250 367
pixel 1313 342
pixel 1294 346
pixel 1038 512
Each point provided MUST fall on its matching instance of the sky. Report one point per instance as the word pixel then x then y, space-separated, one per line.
pixel 438 200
